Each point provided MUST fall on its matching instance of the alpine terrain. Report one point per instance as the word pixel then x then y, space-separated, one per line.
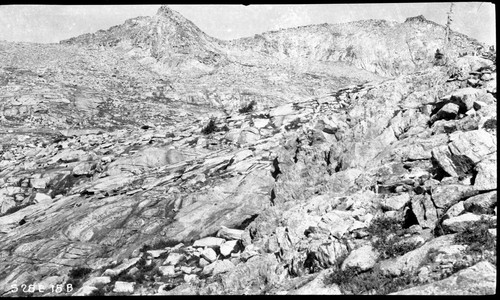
pixel 153 159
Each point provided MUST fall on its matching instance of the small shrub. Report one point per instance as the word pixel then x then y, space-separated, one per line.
pixel 490 124
pixel 388 242
pixel 79 272
pixel 392 249
pixel 476 236
pixel 247 108
pixel 76 276
pixel 145 248
pixel 141 265
pixel 383 226
pixel 210 127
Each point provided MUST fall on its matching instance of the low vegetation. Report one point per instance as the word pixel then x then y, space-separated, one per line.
pixel 77 276
pixel 372 282
pixel 388 240
pixel 248 108
pixel 210 127
pixel 477 237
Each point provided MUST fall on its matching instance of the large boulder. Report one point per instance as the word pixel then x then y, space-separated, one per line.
pixel 486 178
pixel 475 144
pixel 447 195
pixel 362 259
pixel 482 203
pixel 424 210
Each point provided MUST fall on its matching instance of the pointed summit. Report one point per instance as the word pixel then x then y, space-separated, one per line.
pixel 164 10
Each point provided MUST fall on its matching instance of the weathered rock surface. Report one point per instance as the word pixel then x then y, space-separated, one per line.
pixel 107 161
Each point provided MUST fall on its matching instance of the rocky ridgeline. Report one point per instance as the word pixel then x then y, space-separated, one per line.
pixel 375 188
pixel 173 44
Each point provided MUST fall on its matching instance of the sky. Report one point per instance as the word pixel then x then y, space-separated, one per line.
pixel 52 23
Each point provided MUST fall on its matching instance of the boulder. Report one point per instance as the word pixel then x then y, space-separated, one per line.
pixel 124 287
pixel 156 253
pixel 174 156
pixel 424 210
pixel 472 63
pixel 211 242
pixel 85 290
pixel 328 254
pixel 100 280
pixel 459 223
pixel 249 135
pixel 452 164
pixel 475 144
pixel 447 195
pixel 209 254
pixel 173 259
pixel 283 110
pixel 39 183
pixel 167 270
pixel 486 178
pixel 363 259
pixel 218 267
pixel 228 247
pixel 465 97
pixel 122 267
pixel 395 202
pixel 481 204
pixel 83 168
pixel 455 210
pixel 229 233
pixel 448 112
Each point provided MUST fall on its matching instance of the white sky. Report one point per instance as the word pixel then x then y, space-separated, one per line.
pixel 52 23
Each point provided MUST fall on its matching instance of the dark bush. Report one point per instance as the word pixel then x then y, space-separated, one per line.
pixel 210 127
pixel 76 276
pixel 79 272
pixel 490 124
pixel 388 241
pixel 392 249
pixel 247 108
pixel 145 248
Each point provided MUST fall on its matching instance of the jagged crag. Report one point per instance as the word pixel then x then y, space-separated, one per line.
pixel 150 159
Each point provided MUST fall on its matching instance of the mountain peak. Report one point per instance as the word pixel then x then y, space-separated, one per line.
pixel 166 11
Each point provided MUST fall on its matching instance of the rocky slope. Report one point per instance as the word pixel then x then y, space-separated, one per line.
pixel 379 46
pixel 109 186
